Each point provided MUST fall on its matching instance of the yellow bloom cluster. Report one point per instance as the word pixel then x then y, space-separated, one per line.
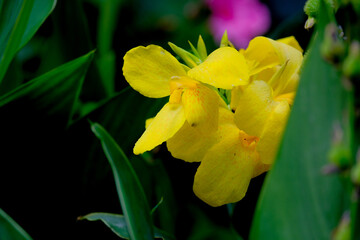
pixel 234 140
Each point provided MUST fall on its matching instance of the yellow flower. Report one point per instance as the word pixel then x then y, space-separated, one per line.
pixel 276 62
pixel 155 73
pixel 262 107
pixel 198 127
pixel 246 142
pixel 228 159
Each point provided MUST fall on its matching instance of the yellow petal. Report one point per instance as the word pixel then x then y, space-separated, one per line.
pixel 225 172
pixel 148 121
pixel 223 68
pixel 201 107
pixel 292 60
pixel 272 133
pixel 148 70
pixel 266 74
pixel 261 168
pixel 165 124
pixel 236 94
pixel 261 55
pixel 291 41
pixel 292 84
pixel 254 108
pixel 264 53
pixel 191 145
pixel 288 97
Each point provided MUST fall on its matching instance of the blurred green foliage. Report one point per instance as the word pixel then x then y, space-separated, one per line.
pixel 60 66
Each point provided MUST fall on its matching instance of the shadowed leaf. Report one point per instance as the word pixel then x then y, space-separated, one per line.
pixel 51 95
pixel 10 230
pixel 117 224
pixel 132 198
pixel 19 20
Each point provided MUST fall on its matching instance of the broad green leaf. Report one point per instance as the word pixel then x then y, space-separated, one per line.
pixel 117 224
pixel 298 201
pixel 132 197
pixel 10 230
pixel 51 95
pixel 19 20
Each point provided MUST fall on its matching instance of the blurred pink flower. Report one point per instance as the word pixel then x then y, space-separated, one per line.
pixel 243 20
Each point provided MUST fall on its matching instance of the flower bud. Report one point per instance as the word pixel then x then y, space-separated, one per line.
pixel 343 230
pixel 351 66
pixel 333 47
pixel 340 156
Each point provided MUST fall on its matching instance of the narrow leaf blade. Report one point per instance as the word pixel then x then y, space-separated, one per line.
pixel 19 20
pixel 51 95
pixel 10 230
pixel 132 197
pixel 117 224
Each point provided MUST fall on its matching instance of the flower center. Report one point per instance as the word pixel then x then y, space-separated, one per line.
pixel 247 140
pixel 177 85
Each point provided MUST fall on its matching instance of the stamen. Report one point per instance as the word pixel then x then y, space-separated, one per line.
pixel 175 96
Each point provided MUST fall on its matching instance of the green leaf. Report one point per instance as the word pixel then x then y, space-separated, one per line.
pixel 225 41
pixel 123 116
pixel 194 50
pixel 162 189
pixel 51 95
pixel 190 59
pixel 10 230
pixel 132 197
pixel 201 47
pixel 108 14
pixel 19 20
pixel 205 228
pixel 157 205
pixel 117 224
pixel 298 201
